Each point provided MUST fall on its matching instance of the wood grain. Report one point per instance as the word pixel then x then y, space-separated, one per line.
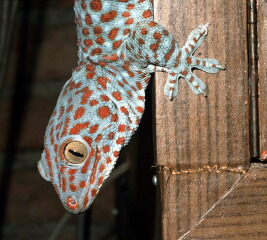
pixel 203 143
pixel 242 214
pixel 262 36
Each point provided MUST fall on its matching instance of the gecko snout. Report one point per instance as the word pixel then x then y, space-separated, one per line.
pixel 72 203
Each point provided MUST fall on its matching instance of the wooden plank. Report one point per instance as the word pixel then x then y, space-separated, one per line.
pixel 262 34
pixel 242 214
pixel 202 143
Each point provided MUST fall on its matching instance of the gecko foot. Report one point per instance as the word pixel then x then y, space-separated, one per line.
pixel 187 62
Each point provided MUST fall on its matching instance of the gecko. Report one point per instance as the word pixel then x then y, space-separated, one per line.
pixel 101 105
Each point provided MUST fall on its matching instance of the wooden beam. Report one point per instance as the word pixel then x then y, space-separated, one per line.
pixel 203 143
pixel 262 33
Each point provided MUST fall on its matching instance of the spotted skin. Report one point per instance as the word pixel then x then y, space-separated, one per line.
pixel 102 104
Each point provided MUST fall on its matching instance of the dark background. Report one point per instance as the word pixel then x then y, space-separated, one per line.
pixel 42 54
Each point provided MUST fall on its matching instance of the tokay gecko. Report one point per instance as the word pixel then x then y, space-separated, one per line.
pixel 102 104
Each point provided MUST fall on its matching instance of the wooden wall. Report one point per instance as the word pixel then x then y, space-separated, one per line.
pixel 203 145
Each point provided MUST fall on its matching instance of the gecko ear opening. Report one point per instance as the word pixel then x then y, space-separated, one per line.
pixel 75 152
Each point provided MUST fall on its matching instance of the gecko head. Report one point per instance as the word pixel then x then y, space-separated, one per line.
pixel 82 143
pixel 76 170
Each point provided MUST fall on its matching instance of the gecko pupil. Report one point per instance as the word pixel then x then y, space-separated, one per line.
pixel 77 154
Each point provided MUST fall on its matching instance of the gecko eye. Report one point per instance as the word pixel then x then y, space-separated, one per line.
pixel 75 152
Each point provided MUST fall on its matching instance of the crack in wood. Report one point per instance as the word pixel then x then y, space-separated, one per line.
pixel 208 168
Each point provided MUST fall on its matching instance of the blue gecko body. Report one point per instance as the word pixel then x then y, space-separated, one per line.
pixel 102 104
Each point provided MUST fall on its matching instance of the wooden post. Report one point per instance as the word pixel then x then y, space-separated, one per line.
pixel 262 33
pixel 203 144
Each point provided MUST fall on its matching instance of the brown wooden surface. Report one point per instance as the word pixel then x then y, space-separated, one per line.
pixel 262 33
pixel 241 214
pixel 203 143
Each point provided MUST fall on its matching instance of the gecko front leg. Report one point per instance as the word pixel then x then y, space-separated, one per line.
pixel 177 62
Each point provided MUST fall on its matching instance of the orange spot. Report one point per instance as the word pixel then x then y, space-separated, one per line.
pixel 103 81
pixel 83 184
pixel 126 14
pixel 131 6
pixel 120 141
pixel 116 153
pixel 70 108
pixel 88 162
pixel 130 21
pixel 126 31
pixel 157 35
pixel 103 64
pixel 79 113
pixel 73 187
pixel 88 140
pixel 154 47
pixel 62 169
pixel 113 33
pixel 90 75
pixel 93 102
pixel 117 44
pixel 106 148
pixel 65 130
pixel 122 128
pixel 111 135
pixel 62 110
pixel 100 40
pixel 117 96
pixel 185 72
pixel 147 14
pixel 78 127
pixel 96 5
pixel 109 16
pixel 99 137
pixel 189 60
pixel 140 109
pixel 144 31
pixel 72 171
pixel 114 118
pixel 94 192
pixel 71 178
pixel 153 24
pixel 88 19
pixel 102 167
pixel 98 30
pixel 141 98
pixel 104 112
pixel 86 200
pixel 141 41
pixel 101 180
pixel 84 6
pixel 94 128
pixel 88 42
pixel 64 184
pixel 130 93
pixel 139 85
pixel 114 57
pixel 104 98
pixel 96 51
pixel 86 31
pixel 108 160
pixel 124 110
pixel 93 176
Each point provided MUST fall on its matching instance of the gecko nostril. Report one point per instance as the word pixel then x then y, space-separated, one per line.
pixel 72 203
